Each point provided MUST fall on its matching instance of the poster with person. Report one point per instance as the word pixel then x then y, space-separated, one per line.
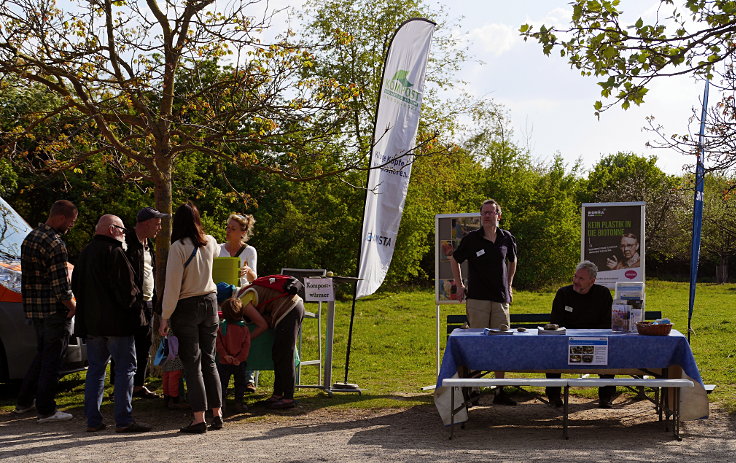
pixel 613 238
pixel 449 230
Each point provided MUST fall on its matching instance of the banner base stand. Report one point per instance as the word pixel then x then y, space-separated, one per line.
pixel 345 387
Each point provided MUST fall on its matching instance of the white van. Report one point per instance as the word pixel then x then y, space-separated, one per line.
pixel 17 336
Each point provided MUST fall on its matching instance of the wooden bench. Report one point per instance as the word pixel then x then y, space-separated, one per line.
pixel 658 383
pixel 527 320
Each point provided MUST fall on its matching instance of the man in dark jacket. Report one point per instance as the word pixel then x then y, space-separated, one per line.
pixel 108 316
pixel 142 259
pixel 583 305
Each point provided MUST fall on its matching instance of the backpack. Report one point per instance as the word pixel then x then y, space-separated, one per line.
pixel 286 285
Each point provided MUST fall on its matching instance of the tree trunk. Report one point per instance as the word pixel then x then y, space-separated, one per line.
pixel 722 270
pixel 162 198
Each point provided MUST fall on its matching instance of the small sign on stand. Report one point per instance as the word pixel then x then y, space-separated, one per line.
pixel 322 289
pixel 319 289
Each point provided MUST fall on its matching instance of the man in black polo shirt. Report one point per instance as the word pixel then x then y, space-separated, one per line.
pixel 491 255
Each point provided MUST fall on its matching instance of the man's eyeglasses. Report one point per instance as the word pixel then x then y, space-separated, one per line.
pixel 119 227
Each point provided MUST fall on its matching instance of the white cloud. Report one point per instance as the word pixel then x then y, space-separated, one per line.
pixel 495 39
pixel 557 17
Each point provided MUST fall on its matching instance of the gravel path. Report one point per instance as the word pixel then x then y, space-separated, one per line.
pixel 528 432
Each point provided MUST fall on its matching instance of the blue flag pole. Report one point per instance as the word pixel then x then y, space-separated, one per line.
pixel 697 212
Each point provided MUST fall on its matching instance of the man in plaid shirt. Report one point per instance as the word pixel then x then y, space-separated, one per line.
pixel 49 304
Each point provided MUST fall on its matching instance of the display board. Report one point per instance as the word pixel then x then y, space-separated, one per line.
pixel 449 230
pixel 613 239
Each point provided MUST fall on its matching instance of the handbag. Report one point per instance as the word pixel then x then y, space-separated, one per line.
pixel 162 352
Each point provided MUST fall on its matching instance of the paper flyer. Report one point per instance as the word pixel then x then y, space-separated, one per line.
pixel 587 351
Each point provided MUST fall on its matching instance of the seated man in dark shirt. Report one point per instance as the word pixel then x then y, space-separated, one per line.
pixel 583 304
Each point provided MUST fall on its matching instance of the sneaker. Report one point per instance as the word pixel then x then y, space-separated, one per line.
pixel 57 416
pixel 20 409
pixel 133 427
pixel 605 404
pixel 174 403
pixel 503 399
pixel 269 401
pixel 250 387
pixel 282 404
pixel 556 402
pixel 240 407
pixel 97 428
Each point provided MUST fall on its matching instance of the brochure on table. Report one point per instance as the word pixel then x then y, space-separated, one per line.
pixel 587 351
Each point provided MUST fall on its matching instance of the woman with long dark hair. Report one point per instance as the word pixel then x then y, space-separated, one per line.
pixel 190 307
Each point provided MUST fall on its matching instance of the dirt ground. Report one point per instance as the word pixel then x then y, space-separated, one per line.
pixel 531 431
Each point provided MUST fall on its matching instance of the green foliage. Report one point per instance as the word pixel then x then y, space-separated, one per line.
pixel 687 37
pixel 439 185
pixel 170 86
pixel 540 209
pixel 351 38
pixel 625 177
pixel 10 178
pixel 718 243
pixel 317 223
pixel 539 202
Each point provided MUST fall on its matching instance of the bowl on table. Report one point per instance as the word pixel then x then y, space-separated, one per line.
pixel 652 329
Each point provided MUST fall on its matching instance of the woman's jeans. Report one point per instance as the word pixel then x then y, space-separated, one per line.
pixel 195 323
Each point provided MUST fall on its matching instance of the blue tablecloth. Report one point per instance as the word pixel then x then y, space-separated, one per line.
pixel 531 351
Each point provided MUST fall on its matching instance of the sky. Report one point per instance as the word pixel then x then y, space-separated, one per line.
pixel 551 105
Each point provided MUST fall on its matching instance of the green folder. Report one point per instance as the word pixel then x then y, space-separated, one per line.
pixel 226 269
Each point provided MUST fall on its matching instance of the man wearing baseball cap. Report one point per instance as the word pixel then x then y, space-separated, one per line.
pixel 142 258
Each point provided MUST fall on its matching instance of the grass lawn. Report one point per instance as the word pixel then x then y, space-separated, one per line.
pixel 393 352
pixel 393 349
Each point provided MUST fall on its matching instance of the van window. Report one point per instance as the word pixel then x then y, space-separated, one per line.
pixel 13 230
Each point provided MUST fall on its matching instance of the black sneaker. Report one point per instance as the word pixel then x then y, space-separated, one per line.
pixel 605 404
pixel 22 409
pixel 134 427
pixel 503 399
pixel 240 407
pixel 556 402
pixel 97 428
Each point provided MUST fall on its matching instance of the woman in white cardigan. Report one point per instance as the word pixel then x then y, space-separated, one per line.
pixel 238 231
pixel 190 307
